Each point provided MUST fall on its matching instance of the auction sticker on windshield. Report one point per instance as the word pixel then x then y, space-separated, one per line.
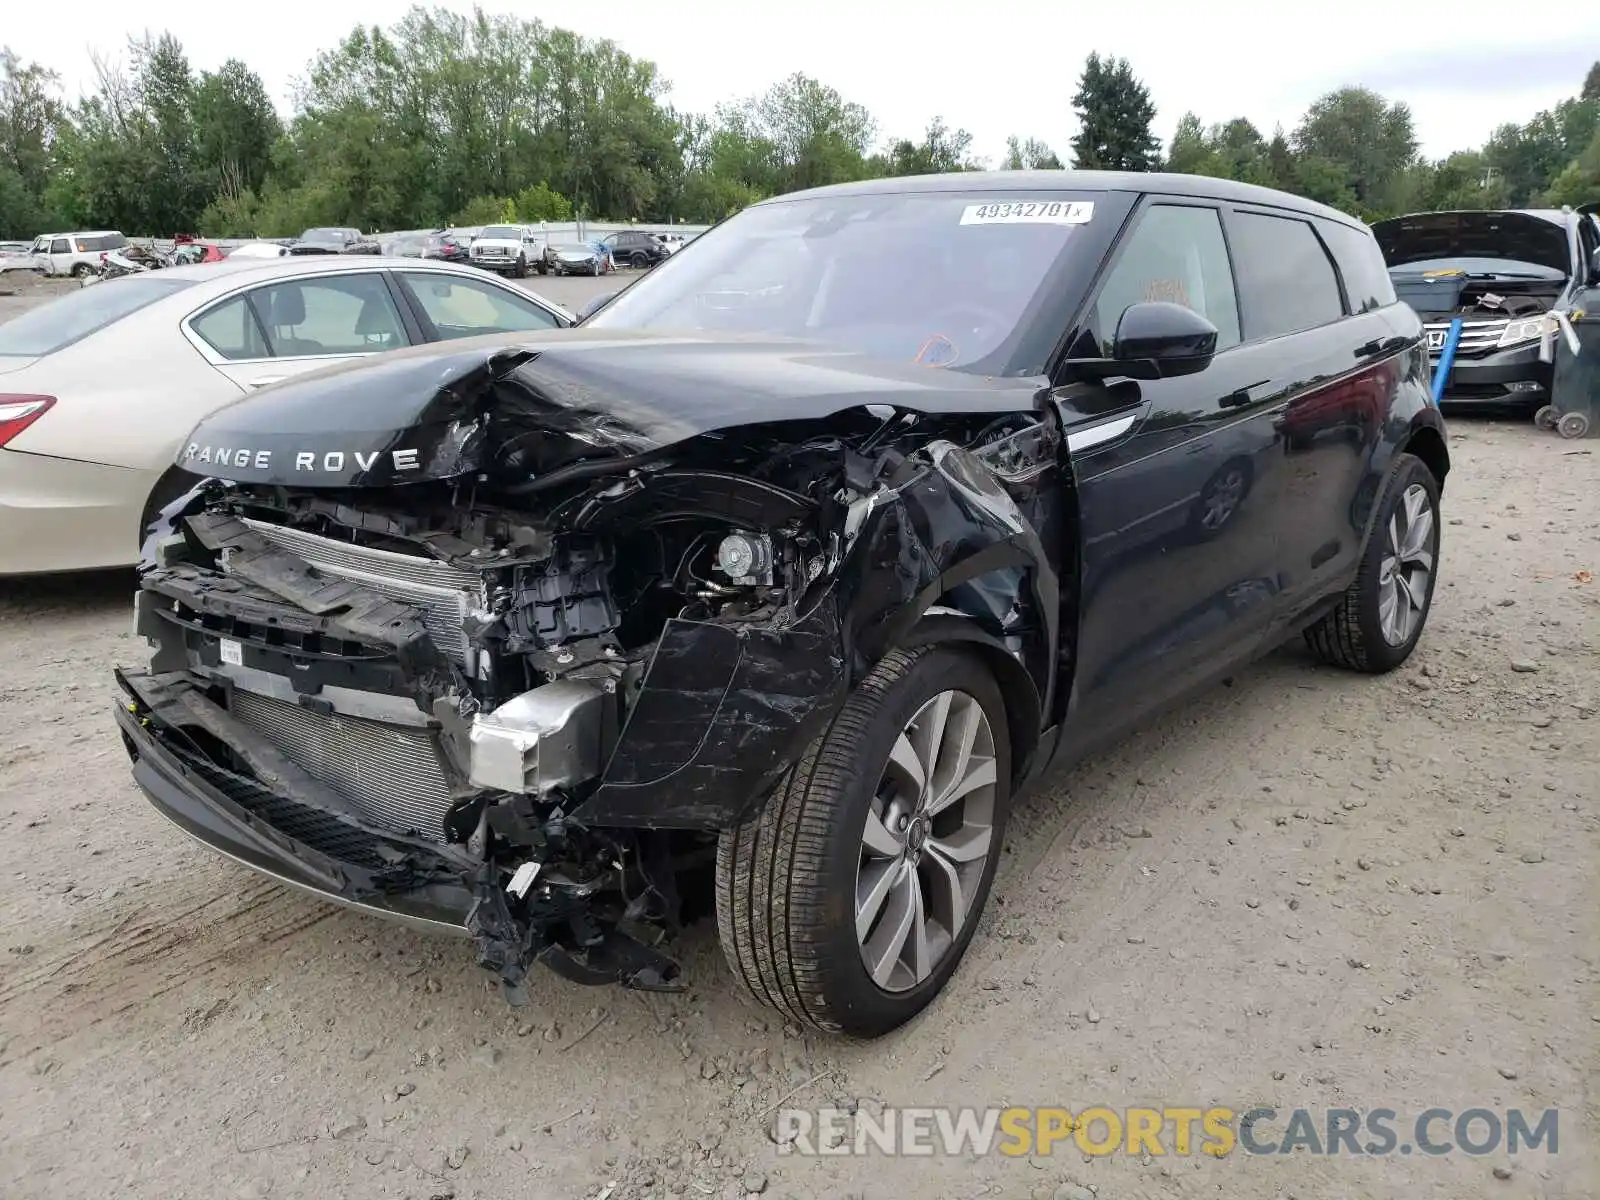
pixel 1037 212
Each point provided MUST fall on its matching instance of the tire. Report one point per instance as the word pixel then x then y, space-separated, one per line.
pixel 79 270
pixel 1545 418
pixel 1573 425
pixel 1353 634
pixel 638 261
pixel 787 879
pixel 520 271
pixel 543 268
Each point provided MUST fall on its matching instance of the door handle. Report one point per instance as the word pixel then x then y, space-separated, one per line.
pixel 1379 346
pixel 265 380
pixel 1251 393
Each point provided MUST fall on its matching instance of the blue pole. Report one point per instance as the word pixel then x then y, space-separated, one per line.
pixel 1447 359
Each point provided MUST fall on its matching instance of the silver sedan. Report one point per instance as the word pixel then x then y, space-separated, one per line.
pixel 99 387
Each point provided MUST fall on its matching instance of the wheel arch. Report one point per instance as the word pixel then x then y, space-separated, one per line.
pixel 1427 443
pixel 1022 701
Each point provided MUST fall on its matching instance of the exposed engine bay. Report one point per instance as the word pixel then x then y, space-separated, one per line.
pixel 1460 296
pixel 546 669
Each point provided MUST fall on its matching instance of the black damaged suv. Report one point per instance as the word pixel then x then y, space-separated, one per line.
pixel 795 562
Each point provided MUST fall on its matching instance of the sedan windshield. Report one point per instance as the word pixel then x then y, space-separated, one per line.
pixel 939 278
pixel 76 315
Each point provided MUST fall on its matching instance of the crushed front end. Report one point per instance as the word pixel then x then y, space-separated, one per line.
pixel 508 665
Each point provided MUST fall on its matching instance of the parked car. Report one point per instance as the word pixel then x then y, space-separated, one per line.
pixel 259 250
pixel 334 241
pixel 507 249
pixel 98 387
pixel 450 245
pixel 634 249
pixel 25 261
pixel 76 254
pixel 576 258
pixel 1500 272
pixel 672 242
pixel 730 572
pixel 405 245
pixel 9 249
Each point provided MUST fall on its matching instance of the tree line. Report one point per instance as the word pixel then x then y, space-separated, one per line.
pixel 445 118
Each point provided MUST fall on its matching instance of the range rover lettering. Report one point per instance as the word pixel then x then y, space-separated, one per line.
pixel 792 564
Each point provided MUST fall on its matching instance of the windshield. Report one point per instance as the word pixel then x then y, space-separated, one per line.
pixel 940 278
pixel 73 317
pixel 1502 267
pixel 573 248
pixel 502 231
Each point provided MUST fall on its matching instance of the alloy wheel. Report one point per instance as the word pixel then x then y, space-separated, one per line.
pixel 1407 569
pixel 927 841
pixel 1221 498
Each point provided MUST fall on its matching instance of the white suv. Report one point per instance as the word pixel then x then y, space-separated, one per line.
pixel 77 254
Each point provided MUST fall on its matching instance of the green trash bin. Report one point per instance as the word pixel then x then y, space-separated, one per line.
pixel 1575 384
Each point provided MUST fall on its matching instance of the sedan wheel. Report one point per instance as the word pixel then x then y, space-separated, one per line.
pixel 848 900
pixel 927 840
pixel 1382 614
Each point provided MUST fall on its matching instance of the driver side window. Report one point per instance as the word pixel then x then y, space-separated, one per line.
pixel 1176 253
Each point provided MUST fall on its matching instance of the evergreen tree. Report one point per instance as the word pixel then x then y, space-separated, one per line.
pixel 1114 116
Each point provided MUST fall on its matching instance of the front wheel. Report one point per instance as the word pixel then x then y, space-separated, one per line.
pixel 1382 614
pixel 848 901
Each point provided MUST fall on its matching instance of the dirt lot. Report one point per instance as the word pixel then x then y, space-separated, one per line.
pixel 1306 888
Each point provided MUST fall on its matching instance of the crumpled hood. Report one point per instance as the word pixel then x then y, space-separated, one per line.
pixel 526 405
pixel 1514 236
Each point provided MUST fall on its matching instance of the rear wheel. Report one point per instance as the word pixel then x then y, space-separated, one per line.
pixel 848 901
pixel 638 261
pixel 81 270
pixel 1382 614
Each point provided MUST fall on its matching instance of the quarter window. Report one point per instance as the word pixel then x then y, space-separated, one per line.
pixel 337 314
pixel 1177 254
pixel 465 307
pixel 1366 275
pixel 1287 281
pixel 232 331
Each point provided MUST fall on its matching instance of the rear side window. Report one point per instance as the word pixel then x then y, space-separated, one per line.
pixel 1176 254
pixel 1286 279
pixel 232 331
pixel 1366 275
pixel 73 317
pixel 338 314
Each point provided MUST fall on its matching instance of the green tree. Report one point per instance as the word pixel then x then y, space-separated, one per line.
pixel 1359 135
pixel 1114 115
pixel 1579 182
pixel 1029 155
pixel 235 126
pixel 941 149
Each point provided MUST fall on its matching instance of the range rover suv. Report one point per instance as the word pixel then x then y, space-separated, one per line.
pixel 792 564
pixel 1500 272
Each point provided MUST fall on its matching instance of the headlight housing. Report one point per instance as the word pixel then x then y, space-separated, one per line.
pixel 1523 329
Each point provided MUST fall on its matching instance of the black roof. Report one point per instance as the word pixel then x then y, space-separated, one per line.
pixel 1149 182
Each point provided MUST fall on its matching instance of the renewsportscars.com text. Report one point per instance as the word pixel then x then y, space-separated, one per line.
pixel 1180 1131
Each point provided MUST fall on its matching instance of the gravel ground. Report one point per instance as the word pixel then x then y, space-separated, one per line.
pixel 1306 888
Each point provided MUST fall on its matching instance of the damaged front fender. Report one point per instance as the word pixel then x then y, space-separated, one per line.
pixel 725 708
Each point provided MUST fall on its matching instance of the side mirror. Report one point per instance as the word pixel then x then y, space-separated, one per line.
pixel 1155 339
pixel 594 306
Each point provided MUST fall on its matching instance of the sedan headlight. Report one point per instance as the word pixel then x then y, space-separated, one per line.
pixel 1523 329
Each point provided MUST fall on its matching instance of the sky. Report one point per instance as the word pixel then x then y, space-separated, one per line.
pixel 994 69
